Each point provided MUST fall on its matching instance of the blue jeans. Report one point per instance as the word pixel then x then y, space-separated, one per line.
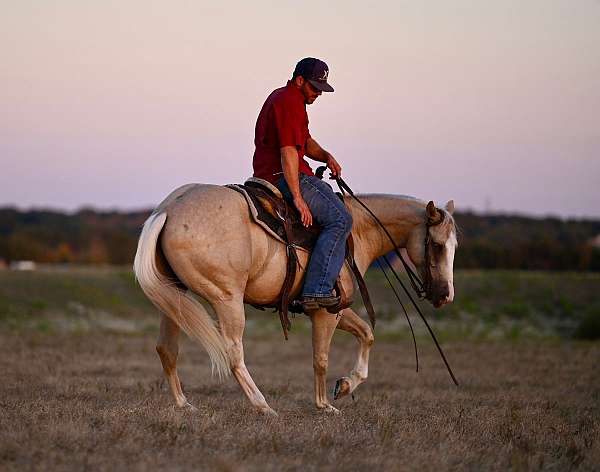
pixel 328 254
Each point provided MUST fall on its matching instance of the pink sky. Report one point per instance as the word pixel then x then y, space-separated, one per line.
pixel 116 103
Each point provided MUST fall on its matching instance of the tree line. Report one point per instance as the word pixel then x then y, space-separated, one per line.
pixel 485 241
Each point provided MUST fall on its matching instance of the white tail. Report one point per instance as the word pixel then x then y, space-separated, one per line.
pixel 184 310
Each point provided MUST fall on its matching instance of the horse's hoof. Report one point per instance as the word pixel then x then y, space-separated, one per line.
pixel 269 412
pixel 189 407
pixel 330 409
pixel 342 388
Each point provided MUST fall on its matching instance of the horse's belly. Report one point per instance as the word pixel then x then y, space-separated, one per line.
pixel 268 271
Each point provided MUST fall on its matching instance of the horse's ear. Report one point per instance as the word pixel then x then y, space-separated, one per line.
pixel 433 215
pixel 450 206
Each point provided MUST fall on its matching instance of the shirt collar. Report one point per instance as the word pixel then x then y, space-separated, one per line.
pixel 296 92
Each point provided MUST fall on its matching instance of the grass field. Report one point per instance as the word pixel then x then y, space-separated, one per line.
pixel 83 388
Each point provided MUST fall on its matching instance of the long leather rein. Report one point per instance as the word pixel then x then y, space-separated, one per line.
pixel 422 289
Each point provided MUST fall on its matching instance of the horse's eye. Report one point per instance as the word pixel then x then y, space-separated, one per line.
pixel 438 246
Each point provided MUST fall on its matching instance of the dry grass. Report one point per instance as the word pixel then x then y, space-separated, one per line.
pixel 84 401
pixel 82 386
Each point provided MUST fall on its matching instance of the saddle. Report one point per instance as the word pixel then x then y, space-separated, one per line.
pixel 280 217
pixel 281 220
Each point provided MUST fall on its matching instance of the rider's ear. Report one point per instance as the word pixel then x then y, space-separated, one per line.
pixel 450 206
pixel 433 215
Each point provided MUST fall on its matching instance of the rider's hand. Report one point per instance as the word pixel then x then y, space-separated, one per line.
pixel 334 167
pixel 305 214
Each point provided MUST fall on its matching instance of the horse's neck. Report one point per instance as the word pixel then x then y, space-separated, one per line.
pixel 400 215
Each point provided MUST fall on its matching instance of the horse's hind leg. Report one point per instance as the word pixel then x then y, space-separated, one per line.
pixel 323 326
pixel 354 324
pixel 167 347
pixel 232 321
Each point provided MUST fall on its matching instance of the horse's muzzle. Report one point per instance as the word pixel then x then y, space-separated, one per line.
pixel 443 296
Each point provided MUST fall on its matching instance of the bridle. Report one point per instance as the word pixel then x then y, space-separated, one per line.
pixel 428 280
pixel 421 288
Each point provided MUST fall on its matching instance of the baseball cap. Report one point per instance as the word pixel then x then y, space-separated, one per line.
pixel 315 71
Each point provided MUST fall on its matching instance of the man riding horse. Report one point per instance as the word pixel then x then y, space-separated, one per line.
pixel 202 242
pixel 282 140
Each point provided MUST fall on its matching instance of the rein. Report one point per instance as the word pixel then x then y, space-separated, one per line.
pixel 422 289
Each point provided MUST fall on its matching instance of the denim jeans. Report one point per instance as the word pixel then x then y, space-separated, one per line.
pixel 328 254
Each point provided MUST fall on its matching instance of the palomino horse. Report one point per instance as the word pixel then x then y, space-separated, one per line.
pixel 202 239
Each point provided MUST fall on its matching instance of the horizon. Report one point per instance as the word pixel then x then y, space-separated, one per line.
pixel 479 213
pixel 115 104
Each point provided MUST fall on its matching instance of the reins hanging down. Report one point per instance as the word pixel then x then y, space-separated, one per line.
pixel 439 348
pixel 417 284
pixel 403 309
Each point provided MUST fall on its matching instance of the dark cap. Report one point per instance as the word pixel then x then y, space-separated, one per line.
pixel 315 71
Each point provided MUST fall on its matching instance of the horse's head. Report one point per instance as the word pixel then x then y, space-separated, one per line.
pixel 432 251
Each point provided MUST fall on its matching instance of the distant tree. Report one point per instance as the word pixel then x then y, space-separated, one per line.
pixel 486 242
pixel 96 252
pixel 62 254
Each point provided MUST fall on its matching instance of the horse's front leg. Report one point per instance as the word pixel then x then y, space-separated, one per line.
pixel 323 326
pixel 354 324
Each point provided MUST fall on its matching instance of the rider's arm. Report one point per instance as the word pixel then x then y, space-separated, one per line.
pixel 289 164
pixel 316 152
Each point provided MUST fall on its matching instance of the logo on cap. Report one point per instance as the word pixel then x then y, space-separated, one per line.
pixel 325 74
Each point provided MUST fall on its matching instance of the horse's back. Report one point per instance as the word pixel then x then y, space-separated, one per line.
pixel 203 210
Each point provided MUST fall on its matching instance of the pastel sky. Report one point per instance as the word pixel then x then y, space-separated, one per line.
pixel 114 103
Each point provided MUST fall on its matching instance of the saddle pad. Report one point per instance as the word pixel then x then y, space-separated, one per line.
pixel 265 183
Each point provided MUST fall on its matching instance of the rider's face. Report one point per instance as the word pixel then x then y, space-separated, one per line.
pixel 309 91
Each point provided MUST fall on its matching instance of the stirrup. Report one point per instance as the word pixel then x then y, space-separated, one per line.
pixel 334 310
pixel 314 303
